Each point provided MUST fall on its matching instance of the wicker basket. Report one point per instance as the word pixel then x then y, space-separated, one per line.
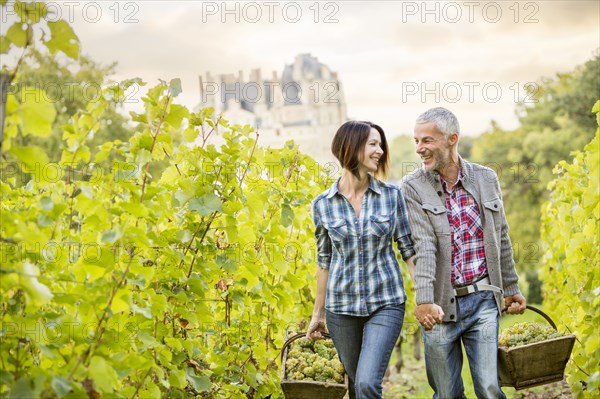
pixel 293 389
pixel 535 364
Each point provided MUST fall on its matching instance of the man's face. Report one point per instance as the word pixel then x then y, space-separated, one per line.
pixel 432 146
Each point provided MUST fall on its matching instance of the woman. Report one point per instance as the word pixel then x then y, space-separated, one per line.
pixel 359 286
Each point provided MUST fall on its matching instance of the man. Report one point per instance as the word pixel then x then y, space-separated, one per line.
pixel 464 263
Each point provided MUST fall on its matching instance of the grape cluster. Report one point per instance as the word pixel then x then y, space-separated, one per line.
pixel 314 361
pixel 527 333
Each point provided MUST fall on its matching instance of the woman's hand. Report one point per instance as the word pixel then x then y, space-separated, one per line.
pixel 316 329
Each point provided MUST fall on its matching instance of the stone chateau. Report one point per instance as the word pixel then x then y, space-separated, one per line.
pixel 306 104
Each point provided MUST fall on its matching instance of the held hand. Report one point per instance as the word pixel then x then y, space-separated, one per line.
pixel 515 304
pixel 428 314
pixel 316 329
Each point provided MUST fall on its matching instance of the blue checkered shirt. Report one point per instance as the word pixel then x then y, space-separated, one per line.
pixel 364 274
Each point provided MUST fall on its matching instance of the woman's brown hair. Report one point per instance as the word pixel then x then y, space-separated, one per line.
pixel 349 142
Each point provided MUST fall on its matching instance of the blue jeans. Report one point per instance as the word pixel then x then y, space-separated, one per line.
pixel 477 328
pixel 365 345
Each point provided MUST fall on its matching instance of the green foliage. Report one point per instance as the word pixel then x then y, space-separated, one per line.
pixel 404 159
pixel 62 89
pixel 567 95
pixel 570 225
pixel 121 282
pixel 534 293
pixel 58 35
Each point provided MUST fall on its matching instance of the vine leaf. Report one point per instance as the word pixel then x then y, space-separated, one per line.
pixel 206 204
pixel 199 383
pixel 63 39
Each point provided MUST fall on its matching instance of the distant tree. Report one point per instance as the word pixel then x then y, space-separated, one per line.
pixel 559 122
pixel 569 94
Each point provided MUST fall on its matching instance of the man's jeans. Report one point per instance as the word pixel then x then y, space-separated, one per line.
pixel 365 345
pixel 477 327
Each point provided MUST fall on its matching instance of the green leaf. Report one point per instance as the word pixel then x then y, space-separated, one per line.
pixel 111 236
pixel 17 35
pixel 175 87
pixel 229 265
pixel 60 385
pixel 46 203
pixel 143 156
pixel 177 378
pixel 4 44
pixel 104 376
pixel 63 39
pixel 36 113
pixel 22 389
pixel 33 157
pixel 200 384
pixel 176 115
pixel 37 293
pixel 287 215
pixel 189 134
pixel 183 236
pixel 206 204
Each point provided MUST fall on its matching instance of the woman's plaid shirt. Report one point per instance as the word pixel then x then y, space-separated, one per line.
pixel 363 271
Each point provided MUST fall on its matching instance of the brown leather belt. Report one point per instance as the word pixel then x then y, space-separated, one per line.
pixel 481 285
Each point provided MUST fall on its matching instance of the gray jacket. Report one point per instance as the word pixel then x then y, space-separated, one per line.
pixel 430 229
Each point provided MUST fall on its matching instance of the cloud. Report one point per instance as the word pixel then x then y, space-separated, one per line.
pixel 377 48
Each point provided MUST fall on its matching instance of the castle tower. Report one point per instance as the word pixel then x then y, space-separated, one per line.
pixel 307 104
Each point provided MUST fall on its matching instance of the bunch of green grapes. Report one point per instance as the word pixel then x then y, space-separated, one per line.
pixel 314 361
pixel 527 333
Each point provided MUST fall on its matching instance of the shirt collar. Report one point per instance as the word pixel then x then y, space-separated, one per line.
pixel 459 178
pixel 374 185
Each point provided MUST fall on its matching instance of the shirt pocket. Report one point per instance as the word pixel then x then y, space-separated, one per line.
pixel 437 216
pixel 380 225
pixel 337 230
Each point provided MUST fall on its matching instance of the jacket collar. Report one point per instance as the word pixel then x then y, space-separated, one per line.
pixel 467 179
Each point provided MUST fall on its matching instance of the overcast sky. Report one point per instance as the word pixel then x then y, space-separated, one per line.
pixel 395 59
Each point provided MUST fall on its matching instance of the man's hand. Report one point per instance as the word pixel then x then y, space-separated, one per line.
pixel 515 304
pixel 428 314
pixel 316 329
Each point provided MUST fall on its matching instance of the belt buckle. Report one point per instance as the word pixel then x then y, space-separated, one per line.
pixel 462 291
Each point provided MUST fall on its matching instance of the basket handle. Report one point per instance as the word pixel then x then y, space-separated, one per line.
pixel 538 311
pixel 295 337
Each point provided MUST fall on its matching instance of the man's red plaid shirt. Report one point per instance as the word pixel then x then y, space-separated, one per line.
pixel 468 250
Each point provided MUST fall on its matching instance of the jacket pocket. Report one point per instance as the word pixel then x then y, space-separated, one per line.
pixel 437 216
pixel 494 205
pixel 493 209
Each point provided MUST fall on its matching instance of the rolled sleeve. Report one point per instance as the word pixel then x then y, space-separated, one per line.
pixel 402 234
pixel 323 241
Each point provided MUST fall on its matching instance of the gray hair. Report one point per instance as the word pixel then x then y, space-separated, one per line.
pixel 444 120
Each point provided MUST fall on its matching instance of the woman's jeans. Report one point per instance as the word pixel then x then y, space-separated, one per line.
pixel 365 345
pixel 477 328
